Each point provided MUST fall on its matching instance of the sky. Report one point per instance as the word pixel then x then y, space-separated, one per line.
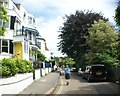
pixel 49 15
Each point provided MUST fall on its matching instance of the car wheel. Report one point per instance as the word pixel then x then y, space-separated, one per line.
pixel 82 77
pixel 88 79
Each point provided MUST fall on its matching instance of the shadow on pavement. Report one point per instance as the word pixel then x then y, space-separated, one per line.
pixel 102 88
pixel 95 90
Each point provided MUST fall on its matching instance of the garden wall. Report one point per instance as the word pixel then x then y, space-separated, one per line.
pixel 15 84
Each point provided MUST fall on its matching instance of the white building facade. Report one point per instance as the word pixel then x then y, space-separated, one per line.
pixel 22 39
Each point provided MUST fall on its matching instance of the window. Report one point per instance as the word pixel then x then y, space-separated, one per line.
pixel 26 34
pixel 6 4
pixel 6 24
pixel 4 46
pixel 34 37
pixel 12 21
pixel 24 16
pixel 18 28
pixel 29 20
pixel 38 42
pixel 30 35
pixel 33 20
pixel 25 47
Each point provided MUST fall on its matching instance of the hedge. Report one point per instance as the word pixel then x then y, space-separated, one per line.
pixel 12 66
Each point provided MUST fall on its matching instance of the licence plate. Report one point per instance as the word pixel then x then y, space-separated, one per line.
pixel 98 73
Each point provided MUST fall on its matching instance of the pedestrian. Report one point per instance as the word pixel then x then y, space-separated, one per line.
pixel 67 74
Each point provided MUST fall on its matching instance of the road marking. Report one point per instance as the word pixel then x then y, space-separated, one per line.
pixel 49 91
pixel 61 87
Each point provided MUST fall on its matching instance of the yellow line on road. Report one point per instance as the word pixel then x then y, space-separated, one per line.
pixel 61 87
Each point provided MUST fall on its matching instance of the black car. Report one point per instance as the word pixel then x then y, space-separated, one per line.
pixel 95 72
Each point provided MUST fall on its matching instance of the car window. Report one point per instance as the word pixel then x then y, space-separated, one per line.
pixel 98 67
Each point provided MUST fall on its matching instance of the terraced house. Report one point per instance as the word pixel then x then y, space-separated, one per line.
pixel 22 38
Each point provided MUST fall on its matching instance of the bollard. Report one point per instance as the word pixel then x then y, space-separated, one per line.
pixel 33 74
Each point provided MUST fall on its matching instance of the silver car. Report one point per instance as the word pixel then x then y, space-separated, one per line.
pixel 80 72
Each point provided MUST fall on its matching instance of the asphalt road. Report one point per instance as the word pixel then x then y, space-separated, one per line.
pixel 81 86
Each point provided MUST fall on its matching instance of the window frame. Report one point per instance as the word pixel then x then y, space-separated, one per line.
pixel 25 47
pixel 2 46
pixel 6 4
pixel 5 24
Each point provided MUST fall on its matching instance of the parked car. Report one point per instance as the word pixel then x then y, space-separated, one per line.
pixel 80 72
pixel 95 72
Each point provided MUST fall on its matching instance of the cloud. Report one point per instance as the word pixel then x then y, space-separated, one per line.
pixel 49 14
pixel 49 31
pixel 50 9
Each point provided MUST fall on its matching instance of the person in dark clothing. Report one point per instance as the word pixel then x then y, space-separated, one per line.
pixel 67 74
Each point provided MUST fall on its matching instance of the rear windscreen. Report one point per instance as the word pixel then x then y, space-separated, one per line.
pixel 98 67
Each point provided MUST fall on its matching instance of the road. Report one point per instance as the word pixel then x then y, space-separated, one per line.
pixel 81 86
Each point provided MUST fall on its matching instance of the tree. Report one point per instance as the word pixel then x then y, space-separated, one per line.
pixel 68 61
pixel 3 18
pixel 64 61
pixel 117 14
pixel 40 56
pixel 102 42
pixel 117 19
pixel 73 34
pixel 118 47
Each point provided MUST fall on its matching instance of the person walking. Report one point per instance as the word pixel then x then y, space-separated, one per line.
pixel 67 74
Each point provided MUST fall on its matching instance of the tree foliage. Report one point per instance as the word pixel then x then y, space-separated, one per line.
pixel 117 14
pixel 64 61
pixel 117 19
pixel 102 42
pixel 3 18
pixel 73 34
pixel 40 56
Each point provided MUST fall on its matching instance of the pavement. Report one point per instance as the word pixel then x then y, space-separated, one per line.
pixel 44 85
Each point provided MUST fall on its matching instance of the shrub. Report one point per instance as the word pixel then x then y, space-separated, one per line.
pixel 8 67
pixel 5 71
pixel 12 66
pixel 24 66
pixel 28 65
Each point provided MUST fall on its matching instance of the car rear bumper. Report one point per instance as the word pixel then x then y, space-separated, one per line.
pixel 97 78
